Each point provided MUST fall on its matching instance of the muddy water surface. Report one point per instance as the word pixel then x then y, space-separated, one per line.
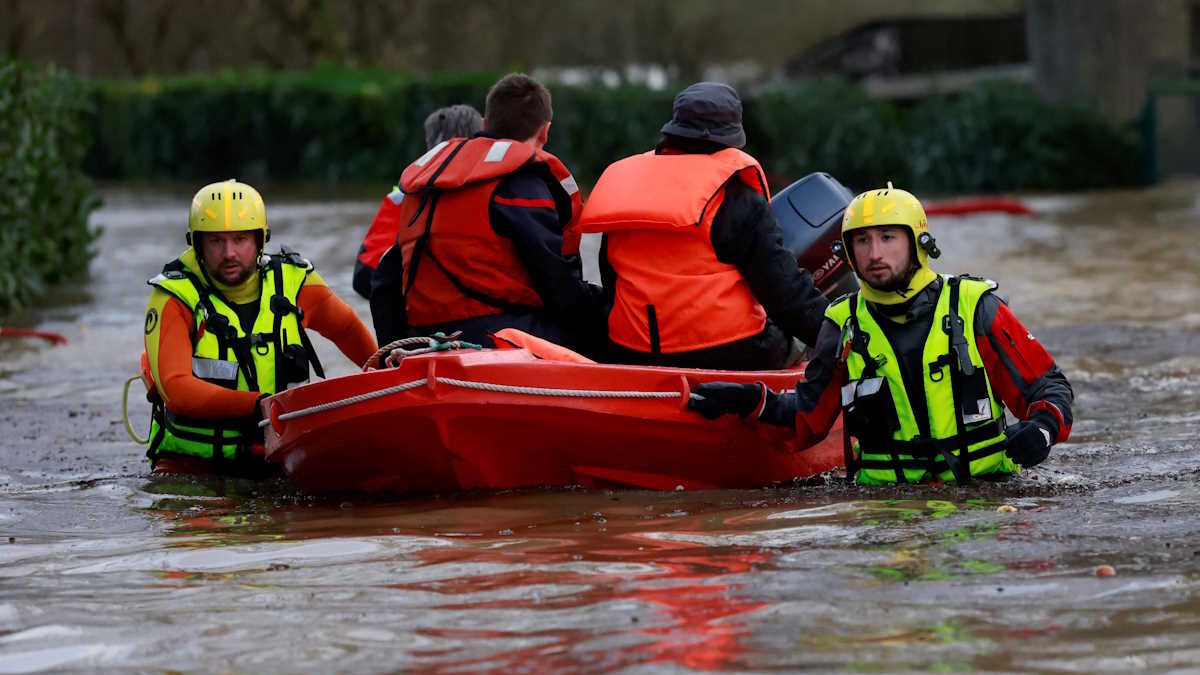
pixel 104 568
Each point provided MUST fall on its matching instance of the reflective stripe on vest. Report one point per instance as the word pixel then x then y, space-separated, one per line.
pixel 224 354
pixel 455 265
pixel 672 293
pixel 983 431
pixel 214 369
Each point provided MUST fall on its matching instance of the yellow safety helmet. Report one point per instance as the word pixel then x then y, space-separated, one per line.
pixel 227 206
pixel 897 208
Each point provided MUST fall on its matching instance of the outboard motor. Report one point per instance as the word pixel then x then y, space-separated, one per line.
pixel 809 212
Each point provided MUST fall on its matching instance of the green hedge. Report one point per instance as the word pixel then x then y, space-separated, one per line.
pixel 45 198
pixel 1004 137
pixel 340 125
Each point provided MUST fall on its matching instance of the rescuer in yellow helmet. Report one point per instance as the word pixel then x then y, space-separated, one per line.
pixel 921 365
pixel 225 327
pixel 897 208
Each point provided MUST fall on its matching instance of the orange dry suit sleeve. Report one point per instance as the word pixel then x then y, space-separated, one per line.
pixel 169 348
pixel 330 316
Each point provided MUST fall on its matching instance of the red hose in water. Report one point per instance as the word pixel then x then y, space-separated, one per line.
pixel 53 338
pixel 960 207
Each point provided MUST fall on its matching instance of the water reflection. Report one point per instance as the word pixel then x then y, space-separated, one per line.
pixel 107 569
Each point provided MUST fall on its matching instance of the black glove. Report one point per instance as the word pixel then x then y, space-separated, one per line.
pixel 713 399
pixel 1029 441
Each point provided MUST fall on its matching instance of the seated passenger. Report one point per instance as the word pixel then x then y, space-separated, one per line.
pixel 693 261
pixel 456 121
pixel 480 244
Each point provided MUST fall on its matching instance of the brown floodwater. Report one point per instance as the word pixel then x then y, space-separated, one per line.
pixel 105 568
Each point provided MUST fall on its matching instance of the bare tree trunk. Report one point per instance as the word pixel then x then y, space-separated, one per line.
pixel 1099 52
pixel 114 14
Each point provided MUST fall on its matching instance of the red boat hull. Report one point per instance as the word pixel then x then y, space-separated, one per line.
pixel 441 435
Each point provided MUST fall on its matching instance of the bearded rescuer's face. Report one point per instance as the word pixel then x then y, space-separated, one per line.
pixel 229 257
pixel 883 256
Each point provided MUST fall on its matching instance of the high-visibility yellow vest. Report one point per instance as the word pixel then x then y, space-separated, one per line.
pixel 966 420
pixel 268 357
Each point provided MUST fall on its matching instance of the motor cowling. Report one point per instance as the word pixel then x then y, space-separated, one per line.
pixel 809 212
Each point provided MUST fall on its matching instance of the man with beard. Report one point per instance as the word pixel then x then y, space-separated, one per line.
pixel 225 327
pixel 923 365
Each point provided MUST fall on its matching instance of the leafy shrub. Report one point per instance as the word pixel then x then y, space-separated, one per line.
pixel 1003 136
pixel 45 198
pixel 828 125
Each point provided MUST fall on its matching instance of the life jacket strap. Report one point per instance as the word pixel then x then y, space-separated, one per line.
pixel 477 295
pixel 280 305
pixel 932 454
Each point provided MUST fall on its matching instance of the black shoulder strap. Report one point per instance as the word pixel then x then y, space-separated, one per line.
pixel 227 339
pixel 279 306
pixel 859 339
pixel 960 367
pixel 859 346
pixel 429 198
pixel 953 325
pixel 477 295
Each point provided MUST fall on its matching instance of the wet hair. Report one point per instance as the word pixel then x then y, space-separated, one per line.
pixel 517 106
pixel 456 121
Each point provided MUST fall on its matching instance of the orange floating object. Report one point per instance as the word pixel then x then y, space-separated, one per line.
pixel 961 207
pixel 51 337
pixel 497 419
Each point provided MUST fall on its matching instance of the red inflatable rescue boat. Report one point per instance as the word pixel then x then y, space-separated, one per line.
pixel 506 418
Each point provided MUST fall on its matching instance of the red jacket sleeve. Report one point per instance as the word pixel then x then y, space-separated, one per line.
pixel 382 232
pixel 813 425
pixel 816 402
pixel 1021 371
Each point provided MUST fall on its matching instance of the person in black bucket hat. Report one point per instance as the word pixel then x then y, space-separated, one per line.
pixel 709 111
pixel 692 259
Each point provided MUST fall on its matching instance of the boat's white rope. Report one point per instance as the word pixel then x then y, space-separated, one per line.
pixel 349 400
pixel 481 386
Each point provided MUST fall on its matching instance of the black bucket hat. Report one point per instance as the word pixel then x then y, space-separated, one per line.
pixel 709 111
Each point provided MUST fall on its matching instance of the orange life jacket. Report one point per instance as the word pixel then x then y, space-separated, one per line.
pixel 672 294
pixel 455 266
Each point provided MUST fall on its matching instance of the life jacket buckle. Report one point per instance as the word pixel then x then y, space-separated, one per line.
pixel 261 343
pixel 281 305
